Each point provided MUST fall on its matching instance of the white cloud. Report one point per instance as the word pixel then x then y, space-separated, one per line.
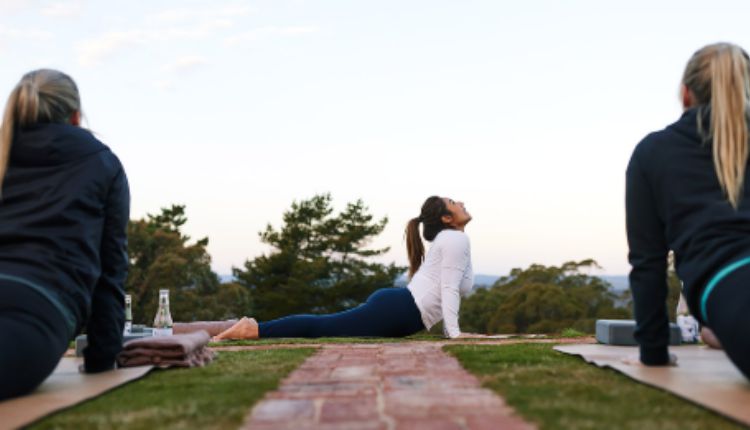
pixel 185 14
pixel 10 7
pixel 185 64
pixel 164 85
pixel 93 51
pixel 63 8
pixel 8 33
pixel 266 32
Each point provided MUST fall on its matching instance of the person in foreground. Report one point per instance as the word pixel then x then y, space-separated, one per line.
pixel 64 208
pixel 687 190
pixel 438 280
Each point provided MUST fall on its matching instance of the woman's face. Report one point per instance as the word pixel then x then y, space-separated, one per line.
pixel 459 217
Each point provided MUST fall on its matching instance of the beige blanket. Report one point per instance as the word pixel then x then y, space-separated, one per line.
pixel 702 375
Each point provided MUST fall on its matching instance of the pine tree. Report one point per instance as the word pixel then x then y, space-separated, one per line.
pixel 319 262
pixel 161 257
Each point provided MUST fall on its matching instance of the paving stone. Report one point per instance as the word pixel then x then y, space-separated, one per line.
pixel 428 424
pixel 360 373
pixel 283 410
pixel 349 409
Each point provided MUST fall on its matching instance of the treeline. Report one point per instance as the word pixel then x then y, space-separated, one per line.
pixel 542 299
pixel 320 262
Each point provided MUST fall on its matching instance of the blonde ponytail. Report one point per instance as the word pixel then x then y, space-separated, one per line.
pixel 719 75
pixel 42 96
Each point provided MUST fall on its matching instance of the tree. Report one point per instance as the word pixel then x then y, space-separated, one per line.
pixel 319 262
pixel 161 257
pixel 541 299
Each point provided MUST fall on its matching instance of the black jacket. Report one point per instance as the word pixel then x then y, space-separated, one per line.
pixel 674 202
pixel 64 211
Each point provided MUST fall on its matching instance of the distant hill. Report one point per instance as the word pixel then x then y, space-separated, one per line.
pixel 479 280
pixel 619 282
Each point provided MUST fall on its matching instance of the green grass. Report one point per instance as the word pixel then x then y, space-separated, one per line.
pixel 334 340
pixel 217 396
pixel 571 332
pixel 425 337
pixel 558 391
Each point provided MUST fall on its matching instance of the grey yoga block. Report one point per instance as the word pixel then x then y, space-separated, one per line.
pixel 82 340
pixel 620 332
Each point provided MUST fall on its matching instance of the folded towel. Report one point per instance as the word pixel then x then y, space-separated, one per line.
pixel 212 327
pixel 197 358
pixel 181 350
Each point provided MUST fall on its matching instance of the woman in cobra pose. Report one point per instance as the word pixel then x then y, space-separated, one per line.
pixel 438 280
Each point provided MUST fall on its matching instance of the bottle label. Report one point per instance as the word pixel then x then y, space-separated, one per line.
pixel 162 331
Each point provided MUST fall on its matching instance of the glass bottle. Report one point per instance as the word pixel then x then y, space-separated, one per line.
pixel 128 315
pixel 163 319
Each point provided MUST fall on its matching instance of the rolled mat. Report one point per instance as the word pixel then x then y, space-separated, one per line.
pixel 181 350
pixel 211 327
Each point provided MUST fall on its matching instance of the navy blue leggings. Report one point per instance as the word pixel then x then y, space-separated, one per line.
pixel 33 336
pixel 388 312
pixel 728 313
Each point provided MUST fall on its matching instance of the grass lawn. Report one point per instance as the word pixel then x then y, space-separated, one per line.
pixel 319 340
pixel 426 337
pixel 214 397
pixel 558 391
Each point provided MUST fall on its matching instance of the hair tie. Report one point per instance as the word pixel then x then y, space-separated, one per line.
pixel 420 218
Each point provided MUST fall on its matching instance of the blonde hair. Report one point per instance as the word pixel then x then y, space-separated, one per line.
pixel 718 76
pixel 42 96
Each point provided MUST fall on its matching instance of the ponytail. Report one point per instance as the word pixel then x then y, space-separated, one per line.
pixel 719 75
pixel 6 132
pixel 431 218
pixel 729 93
pixel 414 246
pixel 42 96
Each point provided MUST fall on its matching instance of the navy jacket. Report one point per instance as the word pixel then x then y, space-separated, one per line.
pixel 64 211
pixel 674 202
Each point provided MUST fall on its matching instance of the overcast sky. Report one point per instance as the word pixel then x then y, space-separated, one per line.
pixel 526 111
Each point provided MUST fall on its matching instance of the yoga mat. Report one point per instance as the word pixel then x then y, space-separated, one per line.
pixel 64 388
pixel 702 375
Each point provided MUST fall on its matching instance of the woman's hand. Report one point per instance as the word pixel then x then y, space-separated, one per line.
pixel 635 360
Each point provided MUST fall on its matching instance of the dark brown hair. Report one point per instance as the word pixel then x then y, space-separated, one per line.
pixel 431 216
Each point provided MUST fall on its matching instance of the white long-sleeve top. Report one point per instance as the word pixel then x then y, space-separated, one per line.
pixel 443 278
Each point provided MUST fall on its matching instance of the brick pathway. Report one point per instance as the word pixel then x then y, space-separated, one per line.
pixel 394 386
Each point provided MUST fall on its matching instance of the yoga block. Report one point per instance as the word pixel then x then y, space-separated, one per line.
pixel 620 332
pixel 82 341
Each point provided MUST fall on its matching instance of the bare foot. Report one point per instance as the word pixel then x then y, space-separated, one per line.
pixel 246 328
